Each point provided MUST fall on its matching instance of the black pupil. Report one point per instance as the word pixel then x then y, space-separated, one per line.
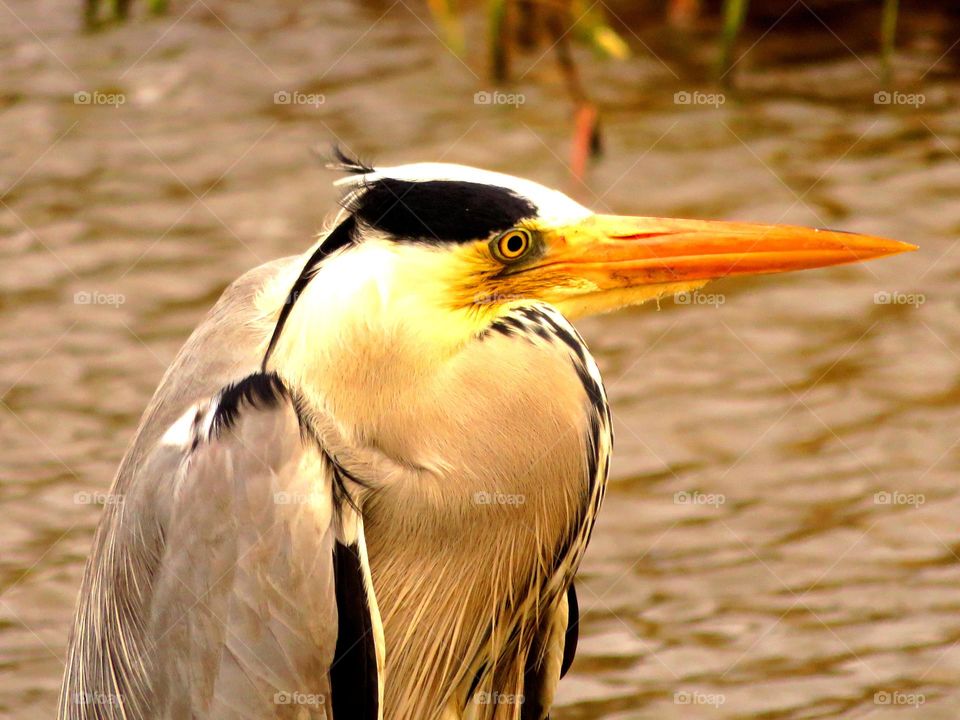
pixel 514 243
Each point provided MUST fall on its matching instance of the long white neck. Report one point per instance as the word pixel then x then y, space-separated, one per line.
pixel 367 350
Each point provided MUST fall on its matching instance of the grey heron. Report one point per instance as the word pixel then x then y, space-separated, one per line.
pixel 365 485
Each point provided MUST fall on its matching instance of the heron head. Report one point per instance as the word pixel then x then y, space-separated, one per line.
pixel 482 241
pixel 423 259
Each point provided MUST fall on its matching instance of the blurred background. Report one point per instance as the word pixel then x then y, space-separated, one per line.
pixel 780 538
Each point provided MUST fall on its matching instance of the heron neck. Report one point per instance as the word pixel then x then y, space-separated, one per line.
pixel 371 339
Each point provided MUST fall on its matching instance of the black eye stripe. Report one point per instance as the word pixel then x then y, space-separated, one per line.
pixel 439 210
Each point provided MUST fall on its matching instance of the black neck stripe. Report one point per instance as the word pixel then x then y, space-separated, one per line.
pixel 340 237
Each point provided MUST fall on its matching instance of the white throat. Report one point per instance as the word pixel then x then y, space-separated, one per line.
pixel 358 325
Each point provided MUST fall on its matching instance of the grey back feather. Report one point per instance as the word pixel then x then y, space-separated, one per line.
pixel 243 617
pixel 108 648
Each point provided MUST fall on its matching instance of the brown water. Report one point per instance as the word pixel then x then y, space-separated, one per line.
pixel 784 587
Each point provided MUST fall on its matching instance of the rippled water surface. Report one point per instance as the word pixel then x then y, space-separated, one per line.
pixel 781 534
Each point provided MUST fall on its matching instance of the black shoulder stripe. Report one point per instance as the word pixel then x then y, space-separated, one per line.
pixel 340 237
pixel 353 673
pixel 438 210
pixel 572 636
pixel 257 390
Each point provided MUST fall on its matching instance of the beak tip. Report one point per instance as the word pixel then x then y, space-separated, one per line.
pixel 895 247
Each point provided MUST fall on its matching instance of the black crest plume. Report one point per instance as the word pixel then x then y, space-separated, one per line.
pixel 343 162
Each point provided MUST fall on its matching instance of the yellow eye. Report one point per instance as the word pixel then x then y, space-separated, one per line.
pixel 512 244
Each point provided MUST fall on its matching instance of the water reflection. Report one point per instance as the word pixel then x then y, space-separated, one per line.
pixel 798 401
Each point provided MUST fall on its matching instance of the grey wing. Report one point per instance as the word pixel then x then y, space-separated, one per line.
pixel 104 673
pixel 263 585
pixel 257 602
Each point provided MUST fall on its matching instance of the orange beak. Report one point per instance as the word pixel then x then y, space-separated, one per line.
pixel 664 250
pixel 618 261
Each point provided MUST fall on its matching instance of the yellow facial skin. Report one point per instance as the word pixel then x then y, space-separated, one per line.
pixel 608 261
